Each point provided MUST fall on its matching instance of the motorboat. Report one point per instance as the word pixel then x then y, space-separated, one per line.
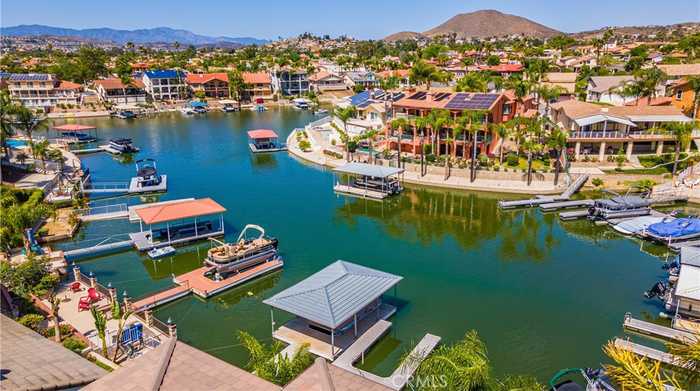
pixel 676 230
pixel 229 108
pixel 124 114
pixel 301 103
pixel 321 112
pixel 637 225
pixel 200 110
pixel 186 110
pixel 245 252
pixel 122 145
pixel 620 207
pixel 147 173
pixel 161 252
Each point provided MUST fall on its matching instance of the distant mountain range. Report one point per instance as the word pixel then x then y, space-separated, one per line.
pixel 491 23
pixel 140 36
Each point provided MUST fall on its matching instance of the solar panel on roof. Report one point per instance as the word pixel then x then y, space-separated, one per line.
pixel 29 77
pixel 418 95
pixel 463 101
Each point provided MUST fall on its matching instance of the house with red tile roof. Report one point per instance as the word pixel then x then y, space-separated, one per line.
pixel 214 85
pixel 326 81
pixel 258 85
pixel 42 90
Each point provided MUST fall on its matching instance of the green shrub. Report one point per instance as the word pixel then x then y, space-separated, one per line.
pixel 66 330
pixel 46 284
pixel 512 160
pixel 33 321
pixel 597 182
pixel 304 145
pixel 483 160
pixel 74 344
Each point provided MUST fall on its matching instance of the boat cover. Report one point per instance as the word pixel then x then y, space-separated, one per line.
pixel 676 228
pixel 639 224
pixel 623 203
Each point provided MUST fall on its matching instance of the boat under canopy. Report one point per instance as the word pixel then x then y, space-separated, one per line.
pixel 370 180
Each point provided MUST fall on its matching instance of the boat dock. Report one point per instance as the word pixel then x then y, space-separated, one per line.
pixel 255 149
pixel 656 330
pixel 676 247
pixel 356 191
pixel 133 217
pixel 573 215
pixel 98 249
pixel 107 212
pixel 575 186
pixel 196 282
pixel 113 151
pixel 566 205
pixel 645 351
pixel 398 379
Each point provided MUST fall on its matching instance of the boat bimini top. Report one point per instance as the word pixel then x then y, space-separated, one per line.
pixel 623 203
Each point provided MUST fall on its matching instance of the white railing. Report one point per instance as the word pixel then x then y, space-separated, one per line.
pixel 97 210
pixel 319 122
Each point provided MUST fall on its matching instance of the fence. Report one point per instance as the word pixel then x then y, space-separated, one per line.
pixel 97 210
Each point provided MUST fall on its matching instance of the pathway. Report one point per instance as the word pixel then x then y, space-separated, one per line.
pixel 656 330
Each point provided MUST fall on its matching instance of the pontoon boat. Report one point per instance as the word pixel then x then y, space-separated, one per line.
pixel 245 252
pixel 620 206
pixel 122 145
pixel 637 225
pixel 161 252
pixel 676 230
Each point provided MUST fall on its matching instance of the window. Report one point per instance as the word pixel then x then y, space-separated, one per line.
pixel 679 94
pixel 506 109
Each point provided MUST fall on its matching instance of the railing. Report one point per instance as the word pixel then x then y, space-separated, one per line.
pixel 97 210
pixel 160 325
pixel 107 186
pixel 319 122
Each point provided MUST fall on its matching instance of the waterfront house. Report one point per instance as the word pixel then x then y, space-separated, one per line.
pixel 214 85
pixel 603 130
pixel 333 307
pixel 258 85
pixel 364 80
pixel 166 85
pixel 682 96
pixel 287 81
pixel 323 81
pixel 114 91
pixel 42 91
pixel 421 103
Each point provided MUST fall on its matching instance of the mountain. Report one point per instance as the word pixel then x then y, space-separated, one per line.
pixel 140 36
pixel 685 28
pixel 403 36
pixel 491 23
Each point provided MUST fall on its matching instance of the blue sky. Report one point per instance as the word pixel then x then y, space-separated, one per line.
pixel 358 18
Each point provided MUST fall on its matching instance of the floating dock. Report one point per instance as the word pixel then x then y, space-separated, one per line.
pixel 566 205
pixel 98 249
pixel 114 151
pixel 359 192
pixel 398 379
pixel 571 190
pixel 645 351
pixel 254 149
pixel 133 217
pixel 656 330
pixel 573 215
pixel 162 187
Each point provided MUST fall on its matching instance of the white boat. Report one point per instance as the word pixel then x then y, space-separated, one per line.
pixel 161 252
pixel 301 103
pixel 186 111
pixel 638 225
pixel 122 145
pixel 244 253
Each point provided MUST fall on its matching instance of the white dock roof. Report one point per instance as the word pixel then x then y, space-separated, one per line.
pixel 688 285
pixel 334 294
pixel 370 170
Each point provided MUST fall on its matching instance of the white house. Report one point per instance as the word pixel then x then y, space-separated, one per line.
pixel 166 84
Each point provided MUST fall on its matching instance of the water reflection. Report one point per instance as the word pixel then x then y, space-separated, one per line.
pixel 264 160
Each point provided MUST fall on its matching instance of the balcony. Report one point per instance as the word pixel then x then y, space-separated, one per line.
pixel 618 136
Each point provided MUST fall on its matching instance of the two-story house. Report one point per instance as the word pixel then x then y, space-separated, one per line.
pixel 258 85
pixel 288 81
pixel 42 91
pixel 166 84
pixel 214 85
pixel 114 91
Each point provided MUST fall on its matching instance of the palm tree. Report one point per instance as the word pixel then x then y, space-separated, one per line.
pixel 422 72
pixel 55 303
pixel 399 124
pixel 123 317
pixel 557 141
pixel 645 83
pixel 472 82
pixel 100 326
pixel 681 132
pixel 476 120
pixel 531 143
pixel 502 131
pixel 28 123
pixel 236 85
pixel 41 150
pixel 268 363
pixel 548 94
pixel 344 114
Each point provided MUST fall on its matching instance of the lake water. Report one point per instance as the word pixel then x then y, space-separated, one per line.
pixel 544 295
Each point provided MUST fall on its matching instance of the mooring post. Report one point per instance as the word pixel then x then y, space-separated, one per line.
pixel 76 273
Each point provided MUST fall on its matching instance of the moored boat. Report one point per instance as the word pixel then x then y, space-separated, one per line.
pixel 161 252
pixel 244 253
pixel 122 145
pixel 619 207
pixel 637 225
pixel 677 230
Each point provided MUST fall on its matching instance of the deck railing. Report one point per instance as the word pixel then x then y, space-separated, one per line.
pixel 96 210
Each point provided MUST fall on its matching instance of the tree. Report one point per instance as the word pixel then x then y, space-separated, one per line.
pixel 502 130
pixel 27 122
pixel 645 83
pixel 123 317
pixel 236 85
pixel 681 132
pixel 549 94
pixel 100 326
pixel 268 363
pixel 90 64
pixel 7 110
pixel 55 303
pixel 472 82
pixel 344 114
pixel 41 150
pixel 399 124
pixel 493 60
pixel 422 72
pixel 531 143
pixel 557 141
pixel 123 68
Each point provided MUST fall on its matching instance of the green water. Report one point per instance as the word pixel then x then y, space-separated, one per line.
pixel 542 294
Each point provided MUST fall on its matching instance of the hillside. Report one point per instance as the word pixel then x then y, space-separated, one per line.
pixel 141 36
pixel 491 23
pixel 685 28
pixel 403 36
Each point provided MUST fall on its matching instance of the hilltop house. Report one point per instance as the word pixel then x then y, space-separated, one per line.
pixel 42 91
pixel 214 85
pixel 258 85
pixel 114 91
pixel 601 131
pixel 166 84
pixel 402 74
pixel 365 80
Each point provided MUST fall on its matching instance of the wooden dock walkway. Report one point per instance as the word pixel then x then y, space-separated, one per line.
pixel 398 379
pixel 160 298
pixel 563 197
pixel 206 287
pixel 573 215
pixel 688 243
pixel 359 192
pixel 645 351
pixel 97 249
pixel 656 330
pixel 105 216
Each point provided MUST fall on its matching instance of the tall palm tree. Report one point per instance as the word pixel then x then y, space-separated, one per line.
pixel 422 72
pixel 100 326
pixel 502 130
pixel 476 121
pixel 41 150
pixel 399 124
pixel 236 85
pixel 344 114
pixel 7 110
pixel 531 143
pixel 557 141
pixel 269 364
pixel 646 83
pixel 681 132
pixel 549 94
pixel 28 122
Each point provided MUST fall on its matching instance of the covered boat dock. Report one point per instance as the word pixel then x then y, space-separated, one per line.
pixel 368 180
pixel 264 140
pixel 333 308
pixel 178 222
pixel 75 133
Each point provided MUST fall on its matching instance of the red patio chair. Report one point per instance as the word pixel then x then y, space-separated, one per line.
pixel 76 287
pixel 84 304
pixel 94 295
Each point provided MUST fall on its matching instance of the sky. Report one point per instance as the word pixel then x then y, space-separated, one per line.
pixel 364 19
